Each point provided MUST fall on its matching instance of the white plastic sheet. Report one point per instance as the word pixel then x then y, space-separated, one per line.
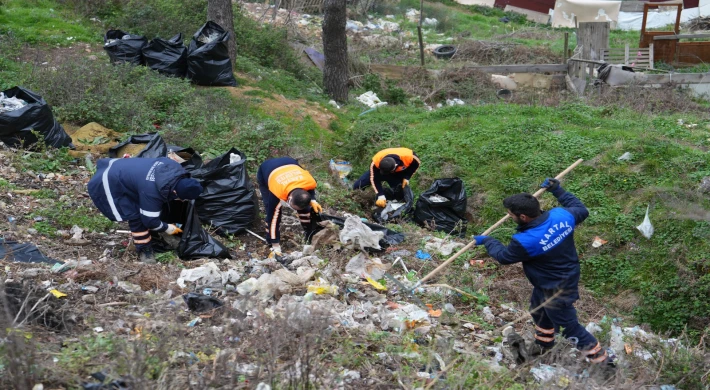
pixel 646 228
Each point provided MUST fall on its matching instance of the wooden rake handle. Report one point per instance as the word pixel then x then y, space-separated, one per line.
pixel 490 229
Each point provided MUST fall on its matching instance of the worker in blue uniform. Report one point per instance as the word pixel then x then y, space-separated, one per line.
pixel 544 244
pixel 135 190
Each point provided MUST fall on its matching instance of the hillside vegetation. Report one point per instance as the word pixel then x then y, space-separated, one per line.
pixel 498 148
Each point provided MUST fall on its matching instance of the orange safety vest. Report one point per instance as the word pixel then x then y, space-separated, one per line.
pixel 287 178
pixel 406 155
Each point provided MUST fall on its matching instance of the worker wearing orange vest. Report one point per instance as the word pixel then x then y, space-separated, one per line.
pixel 394 165
pixel 282 179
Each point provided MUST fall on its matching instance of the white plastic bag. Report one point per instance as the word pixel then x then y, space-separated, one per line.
pixel 645 227
pixel 356 233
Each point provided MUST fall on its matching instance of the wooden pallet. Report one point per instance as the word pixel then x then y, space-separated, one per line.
pixel 642 58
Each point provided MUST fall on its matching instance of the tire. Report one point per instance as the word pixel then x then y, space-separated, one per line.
pixel 445 51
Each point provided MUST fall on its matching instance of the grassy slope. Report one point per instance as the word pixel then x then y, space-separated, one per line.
pixel 502 149
pixel 44 21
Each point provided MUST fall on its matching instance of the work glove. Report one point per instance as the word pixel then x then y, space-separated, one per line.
pixel 550 184
pixel 479 239
pixel 405 183
pixel 276 254
pixel 173 230
pixel 381 201
pixel 316 207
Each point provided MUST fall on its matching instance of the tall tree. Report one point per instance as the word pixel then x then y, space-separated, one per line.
pixel 335 49
pixel 220 12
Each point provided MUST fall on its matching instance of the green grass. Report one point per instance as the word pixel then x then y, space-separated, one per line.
pixel 499 150
pixel 44 21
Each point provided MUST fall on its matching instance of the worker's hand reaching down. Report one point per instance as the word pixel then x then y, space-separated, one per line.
pixel 381 201
pixel 316 207
pixel 173 230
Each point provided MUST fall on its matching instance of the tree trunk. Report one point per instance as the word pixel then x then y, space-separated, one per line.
pixel 335 50
pixel 220 12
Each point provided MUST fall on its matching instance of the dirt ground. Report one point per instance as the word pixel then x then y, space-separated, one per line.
pixel 297 109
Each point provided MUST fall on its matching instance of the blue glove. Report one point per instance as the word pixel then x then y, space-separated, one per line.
pixel 550 184
pixel 479 239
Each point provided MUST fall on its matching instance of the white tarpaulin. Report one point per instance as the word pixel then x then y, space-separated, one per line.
pixel 656 18
pixel 659 18
pixel 569 12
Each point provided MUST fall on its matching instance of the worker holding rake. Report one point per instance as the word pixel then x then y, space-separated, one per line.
pixel 544 243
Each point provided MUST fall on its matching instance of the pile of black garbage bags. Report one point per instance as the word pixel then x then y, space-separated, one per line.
pixel 205 61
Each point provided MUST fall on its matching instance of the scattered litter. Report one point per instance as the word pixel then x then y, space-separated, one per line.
pixel 436 198
pixel 432 312
pixel 507 331
pixel 546 373
pixel 194 322
pixel 625 157
pixel 444 247
pixel 598 242
pixel 455 102
pixel 449 308
pixel 362 266
pixel 129 287
pixel 98 329
pixel 488 314
pixel 371 100
pixel 593 328
pixel 322 287
pixel 376 284
pixel 412 15
pixel 199 303
pixel 70 264
pixel 355 232
pixel 646 228
pixel 431 22
pixel 57 293
pixel 399 260
pixel 8 104
pixel 334 104
pixel 208 275
pixel 263 288
pixel 89 289
pixel 423 255
pixel 341 169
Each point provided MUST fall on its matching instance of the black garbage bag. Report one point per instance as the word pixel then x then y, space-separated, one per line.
pixel 391 237
pixel 228 201
pixel 200 303
pixel 17 126
pixel 193 160
pixel 443 207
pixel 167 56
pixel 208 60
pixel 23 253
pixel 154 146
pixel 115 384
pixel 194 242
pixel 124 47
pixel 400 195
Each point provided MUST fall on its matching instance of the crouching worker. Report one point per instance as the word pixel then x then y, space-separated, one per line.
pixel 395 166
pixel 135 190
pixel 544 243
pixel 282 179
